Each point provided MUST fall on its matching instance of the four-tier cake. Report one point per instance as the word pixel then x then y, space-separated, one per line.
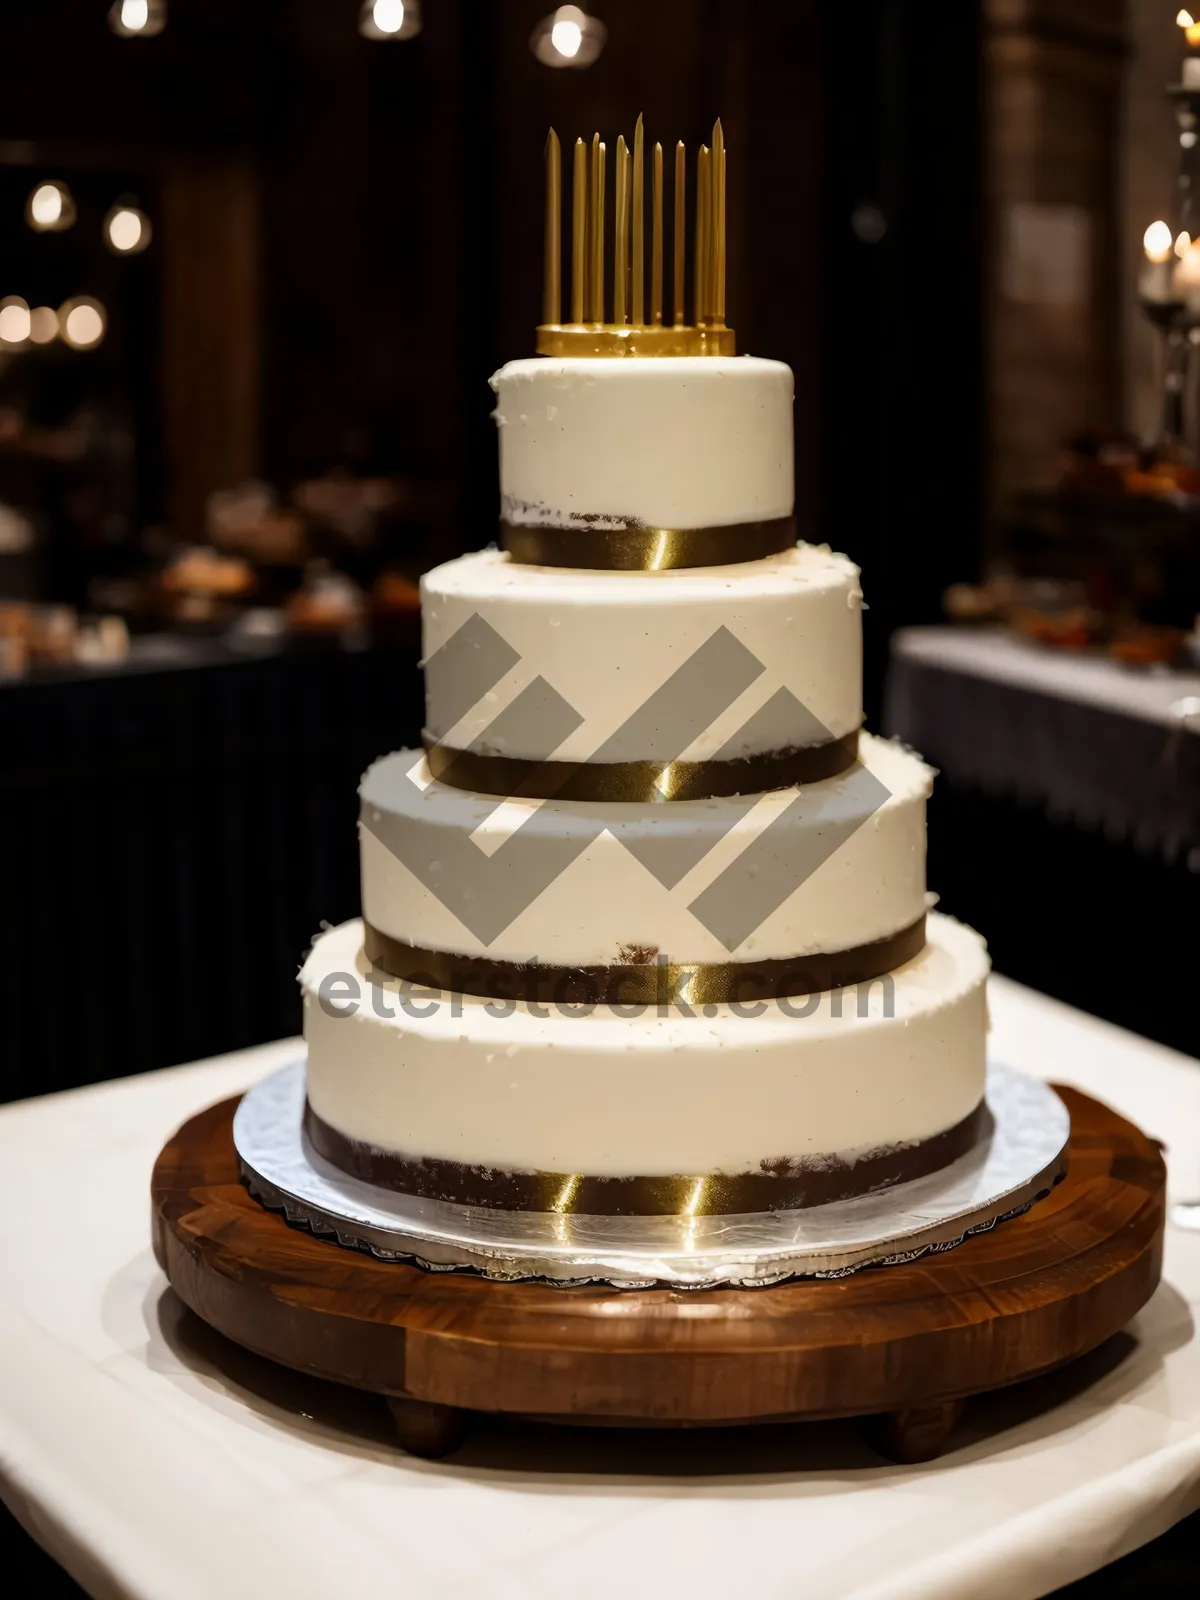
pixel 644 924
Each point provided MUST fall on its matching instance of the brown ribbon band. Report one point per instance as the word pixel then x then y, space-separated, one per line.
pixel 637 548
pixel 782 1185
pixel 639 781
pixel 645 983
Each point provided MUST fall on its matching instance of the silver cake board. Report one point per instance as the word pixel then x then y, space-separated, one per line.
pixel 1023 1158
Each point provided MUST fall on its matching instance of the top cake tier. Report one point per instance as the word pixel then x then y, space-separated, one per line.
pixel 672 443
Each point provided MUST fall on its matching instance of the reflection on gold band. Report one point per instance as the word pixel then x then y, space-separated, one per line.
pixel 591 339
pixel 642 549
pixel 650 983
pixel 778 1185
pixel 634 782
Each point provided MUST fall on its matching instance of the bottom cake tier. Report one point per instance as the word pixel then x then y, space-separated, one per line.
pixel 646 1109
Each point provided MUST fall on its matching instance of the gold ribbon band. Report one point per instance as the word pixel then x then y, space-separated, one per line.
pixel 659 339
pixel 779 1185
pixel 647 983
pixel 641 549
pixel 639 781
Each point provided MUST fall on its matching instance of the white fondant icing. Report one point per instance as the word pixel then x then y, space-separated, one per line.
pixel 605 641
pixel 653 1093
pixel 870 884
pixel 676 442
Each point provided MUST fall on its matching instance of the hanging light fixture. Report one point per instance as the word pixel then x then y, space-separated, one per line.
pixel 82 322
pixel 50 208
pixel 138 19
pixel 127 230
pixel 389 19
pixel 14 320
pixel 43 325
pixel 568 37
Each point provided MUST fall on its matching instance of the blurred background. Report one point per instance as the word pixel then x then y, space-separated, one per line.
pixel 256 265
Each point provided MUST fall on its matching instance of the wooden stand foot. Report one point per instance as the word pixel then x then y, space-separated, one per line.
pixel 425 1429
pixel 918 1433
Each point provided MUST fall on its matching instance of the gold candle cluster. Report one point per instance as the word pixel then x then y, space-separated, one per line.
pixel 636 325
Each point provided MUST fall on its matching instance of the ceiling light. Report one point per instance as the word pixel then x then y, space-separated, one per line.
pixel 43 325
pixel 138 19
pixel 14 320
pixel 50 208
pixel 82 322
pixel 126 230
pixel 568 37
pixel 389 19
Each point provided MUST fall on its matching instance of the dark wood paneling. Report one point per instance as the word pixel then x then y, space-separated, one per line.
pixel 1054 114
pixel 209 242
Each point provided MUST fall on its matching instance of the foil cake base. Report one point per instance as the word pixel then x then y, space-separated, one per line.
pixel 1021 1161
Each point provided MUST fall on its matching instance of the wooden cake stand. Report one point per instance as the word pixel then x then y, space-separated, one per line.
pixel 906 1343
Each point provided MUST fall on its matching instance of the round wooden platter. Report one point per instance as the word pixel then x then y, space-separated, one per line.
pixel 904 1344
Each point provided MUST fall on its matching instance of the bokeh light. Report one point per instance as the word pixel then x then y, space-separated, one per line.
pixel 82 322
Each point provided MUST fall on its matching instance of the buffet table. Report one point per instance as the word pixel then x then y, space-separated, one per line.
pixel 1088 739
pixel 155 1460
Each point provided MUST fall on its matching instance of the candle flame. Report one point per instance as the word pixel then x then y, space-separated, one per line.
pixel 1157 242
pixel 1184 19
pixel 1183 244
pixel 1185 277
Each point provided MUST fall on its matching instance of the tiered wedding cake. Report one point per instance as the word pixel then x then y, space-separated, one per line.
pixel 644 927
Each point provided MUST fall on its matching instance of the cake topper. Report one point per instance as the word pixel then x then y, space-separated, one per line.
pixel 630 331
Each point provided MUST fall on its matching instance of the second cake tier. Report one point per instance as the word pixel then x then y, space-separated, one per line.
pixel 725 664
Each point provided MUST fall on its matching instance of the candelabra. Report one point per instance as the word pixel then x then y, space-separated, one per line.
pixel 1169 286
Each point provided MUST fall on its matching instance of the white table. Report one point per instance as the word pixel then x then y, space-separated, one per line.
pixel 155 1460
pixel 1080 736
pixel 1155 694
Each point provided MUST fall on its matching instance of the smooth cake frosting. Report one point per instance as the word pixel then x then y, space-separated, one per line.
pixel 674 442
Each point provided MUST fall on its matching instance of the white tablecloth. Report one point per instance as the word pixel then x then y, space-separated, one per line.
pixel 155 1460
pixel 1154 694
pixel 1079 736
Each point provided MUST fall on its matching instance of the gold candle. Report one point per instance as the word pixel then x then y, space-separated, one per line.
pixel 637 308
pixel 718 229
pixel 680 208
pixel 656 239
pixel 578 231
pixel 598 168
pixel 620 232
pixel 552 268
pixel 628 164
pixel 700 266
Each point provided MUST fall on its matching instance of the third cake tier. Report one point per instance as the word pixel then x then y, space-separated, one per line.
pixel 828 877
